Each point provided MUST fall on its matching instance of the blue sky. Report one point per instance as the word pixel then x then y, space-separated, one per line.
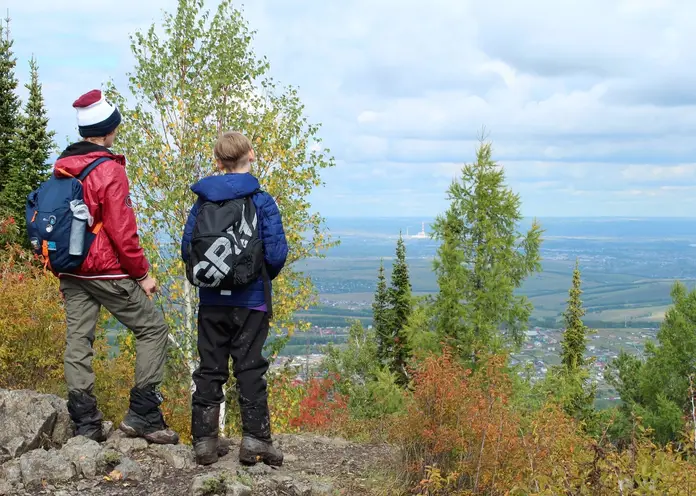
pixel 591 105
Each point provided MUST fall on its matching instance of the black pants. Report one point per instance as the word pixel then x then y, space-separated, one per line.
pixel 241 334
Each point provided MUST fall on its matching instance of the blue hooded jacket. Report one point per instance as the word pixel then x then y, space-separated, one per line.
pixel 270 227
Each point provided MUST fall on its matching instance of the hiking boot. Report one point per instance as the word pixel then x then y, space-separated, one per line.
pixel 204 430
pixel 144 418
pixel 206 450
pixel 92 432
pixel 87 418
pixel 135 426
pixel 254 450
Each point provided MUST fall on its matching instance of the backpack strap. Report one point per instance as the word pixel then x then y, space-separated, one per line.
pixel 268 296
pixel 85 172
pixel 267 291
pixel 81 177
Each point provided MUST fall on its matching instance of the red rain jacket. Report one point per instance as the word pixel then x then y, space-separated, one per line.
pixel 116 252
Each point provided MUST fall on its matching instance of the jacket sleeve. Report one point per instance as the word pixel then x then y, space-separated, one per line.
pixel 272 235
pixel 120 226
pixel 188 231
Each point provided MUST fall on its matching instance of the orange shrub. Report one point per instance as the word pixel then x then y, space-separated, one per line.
pixel 32 325
pixel 461 436
pixel 460 424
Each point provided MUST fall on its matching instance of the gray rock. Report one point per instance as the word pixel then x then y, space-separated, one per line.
pixel 40 465
pixel 322 489
pixel 178 456
pixel 84 453
pixel 27 418
pixel 83 485
pixel 218 483
pixel 11 472
pixel 257 470
pixel 237 489
pixel 157 471
pixel 115 437
pixel 288 485
pixel 130 445
pixel 107 428
pixel 31 420
pixel 108 459
pixel 5 488
pixel 64 428
pixel 126 445
pixel 129 470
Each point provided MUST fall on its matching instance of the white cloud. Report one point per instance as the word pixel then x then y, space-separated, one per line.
pixel 590 104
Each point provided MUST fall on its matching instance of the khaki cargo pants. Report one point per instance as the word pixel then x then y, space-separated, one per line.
pixel 127 302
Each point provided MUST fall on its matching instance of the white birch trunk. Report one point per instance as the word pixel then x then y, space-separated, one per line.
pixel 223 410
pixel 188 323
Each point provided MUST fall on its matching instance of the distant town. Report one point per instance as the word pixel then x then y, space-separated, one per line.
pixel 539 353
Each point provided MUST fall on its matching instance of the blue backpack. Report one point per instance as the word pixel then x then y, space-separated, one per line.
pixel 49 220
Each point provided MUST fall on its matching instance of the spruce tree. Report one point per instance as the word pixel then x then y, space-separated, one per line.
pixel 400 303
pixel 574 341
pixel 31 151
pixel 380 318
pixel 482 260
pixel 578 394
pixel 9 105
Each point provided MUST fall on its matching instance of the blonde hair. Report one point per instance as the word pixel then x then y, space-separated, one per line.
pixel 232 149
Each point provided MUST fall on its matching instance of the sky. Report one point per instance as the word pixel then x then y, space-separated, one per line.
pixel 590 105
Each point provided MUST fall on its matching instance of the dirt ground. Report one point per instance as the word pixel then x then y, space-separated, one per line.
pixel 313 466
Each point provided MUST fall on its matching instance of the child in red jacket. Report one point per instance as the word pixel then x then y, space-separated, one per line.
pixel 114 275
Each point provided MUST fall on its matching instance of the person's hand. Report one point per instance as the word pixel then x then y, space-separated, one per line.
pixel 149 285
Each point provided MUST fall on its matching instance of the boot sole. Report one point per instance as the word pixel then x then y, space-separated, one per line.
pixel 206 459
pixel 250 458
pixel 131 432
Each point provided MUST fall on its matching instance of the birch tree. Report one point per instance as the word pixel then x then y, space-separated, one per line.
pixel 196 76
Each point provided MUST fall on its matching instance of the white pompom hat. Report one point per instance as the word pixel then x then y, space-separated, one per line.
pixel 95 116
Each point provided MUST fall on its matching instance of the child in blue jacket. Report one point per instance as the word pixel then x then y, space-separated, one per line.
pixel 235 323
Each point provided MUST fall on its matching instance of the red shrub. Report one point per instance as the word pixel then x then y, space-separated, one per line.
pixel 322 407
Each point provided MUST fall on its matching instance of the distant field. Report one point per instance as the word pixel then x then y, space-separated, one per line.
pixel 348 284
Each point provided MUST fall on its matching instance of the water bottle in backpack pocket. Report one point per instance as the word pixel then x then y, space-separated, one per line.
pixel 57 220
pixel 78 227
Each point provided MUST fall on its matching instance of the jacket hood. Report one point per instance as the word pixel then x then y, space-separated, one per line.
pixel 79 155
pixel 226 187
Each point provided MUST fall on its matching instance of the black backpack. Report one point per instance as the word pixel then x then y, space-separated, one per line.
pixel 226 252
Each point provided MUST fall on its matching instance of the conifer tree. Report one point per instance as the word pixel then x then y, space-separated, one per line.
pixel 400 303
pixel 482 260
pixel 31 151
pixel 578 394
pixel 574 341
pixel 380 318
pixel 9 104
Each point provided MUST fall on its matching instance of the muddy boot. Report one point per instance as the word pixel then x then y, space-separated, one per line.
pixel 144 418
pixel 254 450
pixel 224 445
pixel 204 430
pixel 84 413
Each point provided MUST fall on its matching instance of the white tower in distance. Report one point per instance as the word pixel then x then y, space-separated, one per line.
pixel 421 235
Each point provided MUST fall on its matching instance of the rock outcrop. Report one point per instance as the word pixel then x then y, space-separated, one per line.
pixel 41 457
pixel 31 420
